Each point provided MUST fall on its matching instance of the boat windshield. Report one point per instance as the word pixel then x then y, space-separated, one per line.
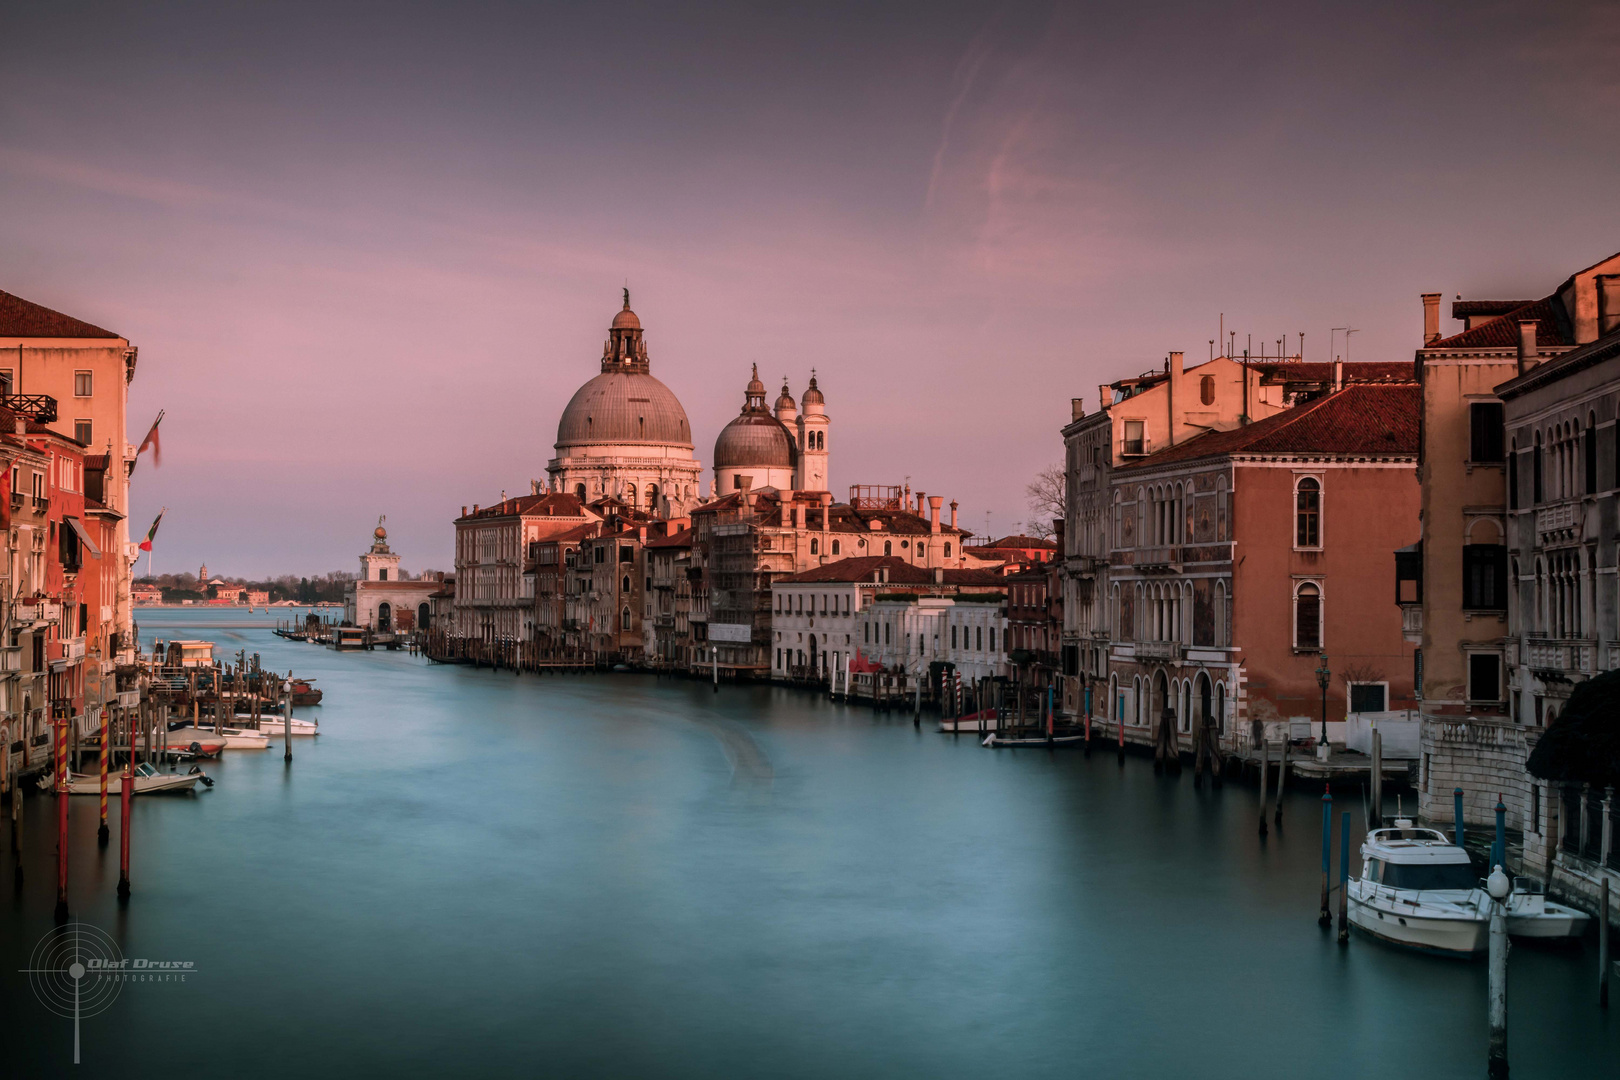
pixel 1429 876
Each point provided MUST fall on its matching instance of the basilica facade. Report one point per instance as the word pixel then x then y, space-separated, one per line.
pixel 783 448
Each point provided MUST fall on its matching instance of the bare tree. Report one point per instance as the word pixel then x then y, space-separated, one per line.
pixel 1045 499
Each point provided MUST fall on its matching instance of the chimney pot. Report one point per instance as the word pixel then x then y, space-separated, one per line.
pixel 464 511
pixel 1105 397
pixel 1176 364
pixel 1527 344
pixel 1338 374
pixel 934 503
pixel 1077 408
pixel 939 575
pixel 1431 318
pixel 953 513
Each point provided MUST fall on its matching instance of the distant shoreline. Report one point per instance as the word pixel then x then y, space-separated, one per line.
pixel 205 606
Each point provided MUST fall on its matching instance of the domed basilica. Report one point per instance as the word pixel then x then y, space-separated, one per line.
pixel 625 434
pixel 786 450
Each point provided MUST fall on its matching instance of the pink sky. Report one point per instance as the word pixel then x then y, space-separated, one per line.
pixel 368 257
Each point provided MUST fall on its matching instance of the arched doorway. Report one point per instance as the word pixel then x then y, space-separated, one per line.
pixel 1206 703
pixel 579 492
pixel 422 616
pixel 385 616
pixel 813 665
pixel 1161 700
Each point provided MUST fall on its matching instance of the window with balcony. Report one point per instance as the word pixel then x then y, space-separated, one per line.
pixel 1308 617
pixel 1485 432
pixel 1485 577
pixel 1308 513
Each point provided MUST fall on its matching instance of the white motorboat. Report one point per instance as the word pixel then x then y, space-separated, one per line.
pixel 1531 915
pixel 148 781
pixel 1418 889
pixel 234 738
pixel 275 725
pixel 1036 740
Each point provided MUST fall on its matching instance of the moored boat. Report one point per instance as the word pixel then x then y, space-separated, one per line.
pixel 304 694
pixel 1530 915
pixel 233 738
pixel 148 781
pixel 980 722
pixel 1418 890
pixel 274 725
pixel 1034 738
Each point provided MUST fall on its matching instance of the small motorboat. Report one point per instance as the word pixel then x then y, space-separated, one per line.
pixel 1033 739
pixel 1530 915
pixel 148 781
pixel 185 740
pixel 304 694
pixel 229 739
pixel 1419 890
pixel 982 721
pixel 273 724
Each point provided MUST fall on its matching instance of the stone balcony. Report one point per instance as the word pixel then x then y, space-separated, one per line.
pixel 1158 650
pixel 1572 655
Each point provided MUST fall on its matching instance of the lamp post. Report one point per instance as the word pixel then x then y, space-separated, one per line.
pixel 1323 678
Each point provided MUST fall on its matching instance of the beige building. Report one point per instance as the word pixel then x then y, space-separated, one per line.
pixel 380 600
pixel 495 598
pixel 625 435
pixel 1486 687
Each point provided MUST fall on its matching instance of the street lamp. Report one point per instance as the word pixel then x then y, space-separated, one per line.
pixel 1323 678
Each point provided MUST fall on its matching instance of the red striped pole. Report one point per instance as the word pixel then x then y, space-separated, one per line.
pixel 62 797
pixel 101 833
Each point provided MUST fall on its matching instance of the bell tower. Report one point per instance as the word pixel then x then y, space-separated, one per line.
pixel 813 421
pixel 379 564
pixel 625 350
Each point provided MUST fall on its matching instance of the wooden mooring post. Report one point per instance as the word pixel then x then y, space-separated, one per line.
pixel 125 794
pixel 102 834
pixel 62 798
pixel 1603 944
pixel 1324 917
pixel 1344 878
pixel 1282 778
pixel 1265 774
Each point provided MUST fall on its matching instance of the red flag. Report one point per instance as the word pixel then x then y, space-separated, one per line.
pixel 152 441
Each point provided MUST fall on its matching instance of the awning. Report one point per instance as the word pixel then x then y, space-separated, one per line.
pixel 84 537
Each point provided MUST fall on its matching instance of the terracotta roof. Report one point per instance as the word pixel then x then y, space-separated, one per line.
pixel 24 318
pixel 680 539
pixel 1360 419
pixel 1589 355
pixel 558 504
pixel 1502 332
pixel 1315 371
pixel 1463 309
pixel 861 568
pixel 578 532
pixel 1019 541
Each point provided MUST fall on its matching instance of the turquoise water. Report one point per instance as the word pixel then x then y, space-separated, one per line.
pixel 473 873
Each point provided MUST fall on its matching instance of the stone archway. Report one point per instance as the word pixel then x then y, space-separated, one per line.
pixel 422 616
pixel 385 616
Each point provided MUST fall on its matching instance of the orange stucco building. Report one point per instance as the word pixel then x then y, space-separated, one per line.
pixel 1239 557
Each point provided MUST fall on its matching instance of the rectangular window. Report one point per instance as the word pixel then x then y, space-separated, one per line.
pixel 1369 697
pixel 1135 437
pixel 1485 431
pixel 1534 824
pixel 1308 618
pixel 1589 465
pixel 1484 677
pixel 81 384
pixel 81 431
pixel 1485 577
pixel 978 638
pixel 382 573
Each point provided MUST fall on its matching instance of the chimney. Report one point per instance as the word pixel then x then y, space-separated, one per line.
pixel 1105 396
pixel 787 514
pixel 1172 368
pixel 1175 365
pixel 939 575
pixel 953 513
pixel 1527 344
pixel 1431 318
pixel 798 516
pixel 920 495
pixel 475 508
pixel 934 503
pixel 1608 286
pixel 463 511
pixel 1077 408
pixel 641 534
pixel 1338 374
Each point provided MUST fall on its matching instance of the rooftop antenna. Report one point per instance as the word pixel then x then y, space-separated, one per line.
pixel 1222 334
pixel 1231 343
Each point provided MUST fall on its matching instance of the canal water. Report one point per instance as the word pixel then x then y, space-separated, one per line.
pixel 471 873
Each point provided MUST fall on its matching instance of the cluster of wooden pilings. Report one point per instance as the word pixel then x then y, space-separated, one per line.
pixel 131 729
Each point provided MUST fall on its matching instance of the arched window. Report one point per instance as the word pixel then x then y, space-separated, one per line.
pixel 1206 390
pixel 579 492
pixel 1308 513
pixel 624 585
pixel 652 497
pixel 1513 474
pixel 1308 617
pixel 1536 486
pixel 888 547
pixel 835 547
pixel 624 619
pixel 815 546
pixel 947 549
pixel 630 494
pixel 1589 454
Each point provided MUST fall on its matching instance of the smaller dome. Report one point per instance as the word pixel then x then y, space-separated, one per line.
pixel 812 394
pixel 786 400
pixel 754 440
pixel 755 387
pixel 626 320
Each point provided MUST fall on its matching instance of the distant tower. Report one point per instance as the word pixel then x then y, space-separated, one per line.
pixel 813 475
pixel 202 573
pixel 379 564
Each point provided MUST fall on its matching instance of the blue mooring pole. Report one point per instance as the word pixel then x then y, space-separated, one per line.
pixel 1344 877
pixel 1499 851
pixel 1456 797
pixel 1325 918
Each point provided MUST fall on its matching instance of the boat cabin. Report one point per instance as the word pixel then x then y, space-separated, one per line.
pixel 190 654
pixel 1416 859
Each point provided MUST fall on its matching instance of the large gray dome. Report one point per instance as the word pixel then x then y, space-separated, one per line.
pixel 624 407
pixel 754 440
